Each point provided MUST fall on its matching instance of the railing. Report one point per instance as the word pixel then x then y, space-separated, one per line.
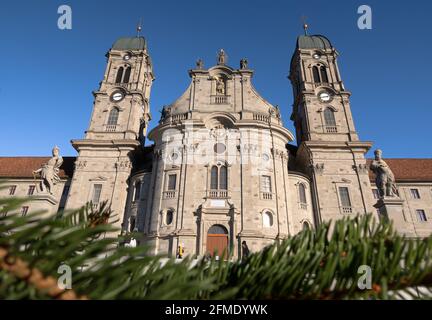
pixel 346 209
pixel 179 117
pixel 261 117
pixel 127 86
pixel 111 127
pixel 266 195
pixel 219 99
pixel 331 129
pixel 169 194
pixel 218 194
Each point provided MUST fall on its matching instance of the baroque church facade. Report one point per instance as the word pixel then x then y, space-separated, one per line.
pixel 222 169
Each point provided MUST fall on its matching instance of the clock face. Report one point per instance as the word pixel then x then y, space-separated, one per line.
pixel 325 96
pixel 316 56
pixel 117 96
pixel 127 57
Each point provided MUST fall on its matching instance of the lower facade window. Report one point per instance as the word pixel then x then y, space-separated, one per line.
pixel 421 215
pixel 24 210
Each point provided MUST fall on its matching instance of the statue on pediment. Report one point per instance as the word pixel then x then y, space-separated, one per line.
pixel 49 172
pixel 222 58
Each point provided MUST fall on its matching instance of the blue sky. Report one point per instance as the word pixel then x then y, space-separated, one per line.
pixel 48 74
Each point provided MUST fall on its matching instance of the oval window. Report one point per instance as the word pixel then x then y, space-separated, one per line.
pixel 219 148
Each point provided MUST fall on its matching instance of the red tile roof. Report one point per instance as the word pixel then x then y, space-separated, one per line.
pixel 408 169
pixel 22 167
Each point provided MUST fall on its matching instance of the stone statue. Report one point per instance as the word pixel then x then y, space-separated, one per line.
pixel 245 250
pixel 165 112
pixel 384 179
pixel 221 57
pixel 49 171
pixel 220 86
pixel 243 63
pixel 200 64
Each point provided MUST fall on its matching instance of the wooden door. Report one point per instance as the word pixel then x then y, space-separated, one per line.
pixel 217 244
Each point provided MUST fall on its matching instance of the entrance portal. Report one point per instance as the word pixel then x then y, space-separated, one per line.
pixel 217 241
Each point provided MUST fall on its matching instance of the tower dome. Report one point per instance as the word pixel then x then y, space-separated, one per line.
pixel 128 43
pixel 313 42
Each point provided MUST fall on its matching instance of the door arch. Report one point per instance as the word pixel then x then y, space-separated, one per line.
pixel 217 241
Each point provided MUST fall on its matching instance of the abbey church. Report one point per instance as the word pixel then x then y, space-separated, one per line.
pixel 220 169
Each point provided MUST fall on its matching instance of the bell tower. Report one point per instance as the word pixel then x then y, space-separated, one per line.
pixel 330 151
pixel 117 128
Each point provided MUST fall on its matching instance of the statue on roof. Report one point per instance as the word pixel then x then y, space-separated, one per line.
pixel 243 63
pixel 49 171
pixel 384 177
pixel 200 64
pixel 222 58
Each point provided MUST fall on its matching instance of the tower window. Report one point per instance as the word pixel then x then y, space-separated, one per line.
pixel 330 121
pixel 172 179
pixel 421 215
pixel 267 219
pixel 112 119
pixel 119 75
pixel 415 194
pixel 127 75
pixel 344 197
pixel 97 190
pixel 266 184
pixel 316 75
pixel 324 77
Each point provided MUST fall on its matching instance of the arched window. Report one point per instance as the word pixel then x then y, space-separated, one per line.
pixel 217 229
pixel 119 75
pixel 324 77
pixel 329 117
pixel 223 178
pixel 302 193
pixel 267 219
pixel 127 75
pixel 112 119
pixel 306 225
pixel 316 75
pixel 169 217
pixel 214 178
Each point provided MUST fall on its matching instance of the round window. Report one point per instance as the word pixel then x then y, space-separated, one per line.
pixel 174 156
pixel 219 148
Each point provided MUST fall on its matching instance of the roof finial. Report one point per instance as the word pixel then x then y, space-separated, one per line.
pixel 305 25
pixel 139 27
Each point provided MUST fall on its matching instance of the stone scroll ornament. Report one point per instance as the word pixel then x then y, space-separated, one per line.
pixel 384 177
pixel 49 171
